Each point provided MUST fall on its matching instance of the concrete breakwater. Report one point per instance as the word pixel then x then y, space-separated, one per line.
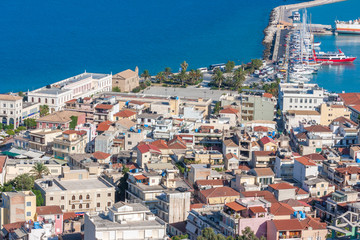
pixel 283 13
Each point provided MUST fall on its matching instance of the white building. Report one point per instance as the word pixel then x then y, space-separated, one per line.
pixel 82 85
pixel 124 221
pixel 299 96
pixel 10 109
pixel 305 169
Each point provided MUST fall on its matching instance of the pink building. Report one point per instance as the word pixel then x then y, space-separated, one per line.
pixel 60 119
pixel 51 214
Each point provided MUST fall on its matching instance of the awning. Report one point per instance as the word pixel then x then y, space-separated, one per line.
pixel 10 154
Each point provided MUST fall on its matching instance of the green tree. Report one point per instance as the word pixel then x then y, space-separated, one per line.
pixel 116 89
pixel 30 123
pixel 74 122
pixel 239 77
pixel 184 66
pixel 167 72
pixel 229 66
pixel 21 94
pixel 179 237
pixel 1 126
pixel 39 197
pixel 160 77
pixel 146 75
pixel 182 77
pixel 256 63
pixel 248 234
pixel 216 109
pixel 39 169
pixel 24 182
pixel 10 132
pixel 195 76
pixel 218 77
pixel 123 186
pixel 44 110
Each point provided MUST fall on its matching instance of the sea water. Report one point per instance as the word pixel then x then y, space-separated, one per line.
pixel 42 42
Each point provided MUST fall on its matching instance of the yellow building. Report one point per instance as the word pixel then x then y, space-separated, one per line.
pixel 18 207
pixel 329 112
pixel 219 195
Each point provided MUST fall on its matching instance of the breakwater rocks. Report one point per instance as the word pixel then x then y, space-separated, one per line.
pixel 270 32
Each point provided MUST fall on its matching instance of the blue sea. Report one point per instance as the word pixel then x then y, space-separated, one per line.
pixel 46 41
pixel 346 77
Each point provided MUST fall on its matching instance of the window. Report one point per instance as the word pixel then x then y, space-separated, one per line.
pixel 62 207
pixel 98 204
pixel 129 143
pixel 28 204
pixel 51 198
pixel 80 176
pixel 290 100
pixel 73 206
pixel 109 204
pixel 322 185
pixel 109 194
pixel 73 197
pixel 80 197
pixel 58 216
pixel 301 101
pixel 88 196
pixel 87 205
pixel 80 206
pixel 28 214
pixel 73 148
pixel 318 193
pixel 98 195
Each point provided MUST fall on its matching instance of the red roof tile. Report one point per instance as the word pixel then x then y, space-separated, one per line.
pixel 266 140
pixel 315 157
pixel 281 186
pixel 125 113
pixel 140 177
pixel 235 206
pixel 104 106
pixel 82 132
pixel 69 215
pixel 263 153
pixel 12 226
pixel 281 209
pixel 317 128
pixel 230 156
pixel 261 129
pixel 258 209
pixel 315 224
pixel 196 206
pixel 350 98
pixel 348 170
pixel 2 163
pixel 263 172
pixel 103 126
pixel 287 224
pixel 136 102
pixel 263 194
pixel 212 182
pixel 101 155
pixel 305 161
pixel 145 147
pixel 229 111
pixel 219 192
pixel 300 191
pixel 48 210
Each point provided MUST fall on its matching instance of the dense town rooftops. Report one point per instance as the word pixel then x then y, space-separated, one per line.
pixel 350 99
pixel 266 140
pixel 348 170
pixel 144 148
pixel 305 161
pixel 281 209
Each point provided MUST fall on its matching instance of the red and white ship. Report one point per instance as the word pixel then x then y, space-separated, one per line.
pixel 332 57
pixel 352 27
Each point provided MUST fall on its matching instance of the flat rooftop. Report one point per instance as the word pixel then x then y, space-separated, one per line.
pixel 52 91
pixel 76 185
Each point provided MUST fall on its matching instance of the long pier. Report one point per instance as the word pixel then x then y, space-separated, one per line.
pixel 282 14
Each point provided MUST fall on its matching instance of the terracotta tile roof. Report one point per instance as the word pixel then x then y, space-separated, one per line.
pixel 230 143
pixel 267 95
pixel 258 209
pixel 356 107
pixel 261 172
pixel 301 135
pixel 12 226
pixel 350 98
pixel 59 117
pixel 2 163
pixel 263 153
pixel 8 97
pixel 337 106
pixel 196 206
pixel 229 111
pixel 144 148
pixel 48 210
pixel 136 102
pixel 244 167
pixel 103 126
pixel 177 143
pixel 348 170
pixel 101 155
pixel 219 192
pixel 281 186
pixel 128 73
pixel 69 215
pixel 300 191
pixel 315 224
pixel 287 224
pixel 71 101
pixel 212 182
pixel 266 140
pixel 315 157
pixel 261 129
pixel 235 206
pixel 305 161
pixel 295 203
pixel 125 122
pixel 344 120
pixel 281 209
pixel 264 194
pixel 317 128
pixel 161 144
pixel 104 106
pixel 140 177
pixel 125 113
pixel 230 156
pixel 82 132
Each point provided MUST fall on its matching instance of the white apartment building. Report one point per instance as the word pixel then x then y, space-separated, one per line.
pixel 10 109
pixel 82 85
pixel 125 221
pixel 299 96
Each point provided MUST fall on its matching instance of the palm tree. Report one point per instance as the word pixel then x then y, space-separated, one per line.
pixel 218 77
pixel 239 77
pixel 184 66
pixel 146 75
pixel 183 76
pixel 44 110
pixel 39 169
pixel 167 72
pixel 160 77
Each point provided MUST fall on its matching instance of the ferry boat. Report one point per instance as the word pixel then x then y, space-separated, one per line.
pixel 351 26
pixel 333 57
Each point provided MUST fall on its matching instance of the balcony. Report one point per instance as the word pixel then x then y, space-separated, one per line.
pixel 80 201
